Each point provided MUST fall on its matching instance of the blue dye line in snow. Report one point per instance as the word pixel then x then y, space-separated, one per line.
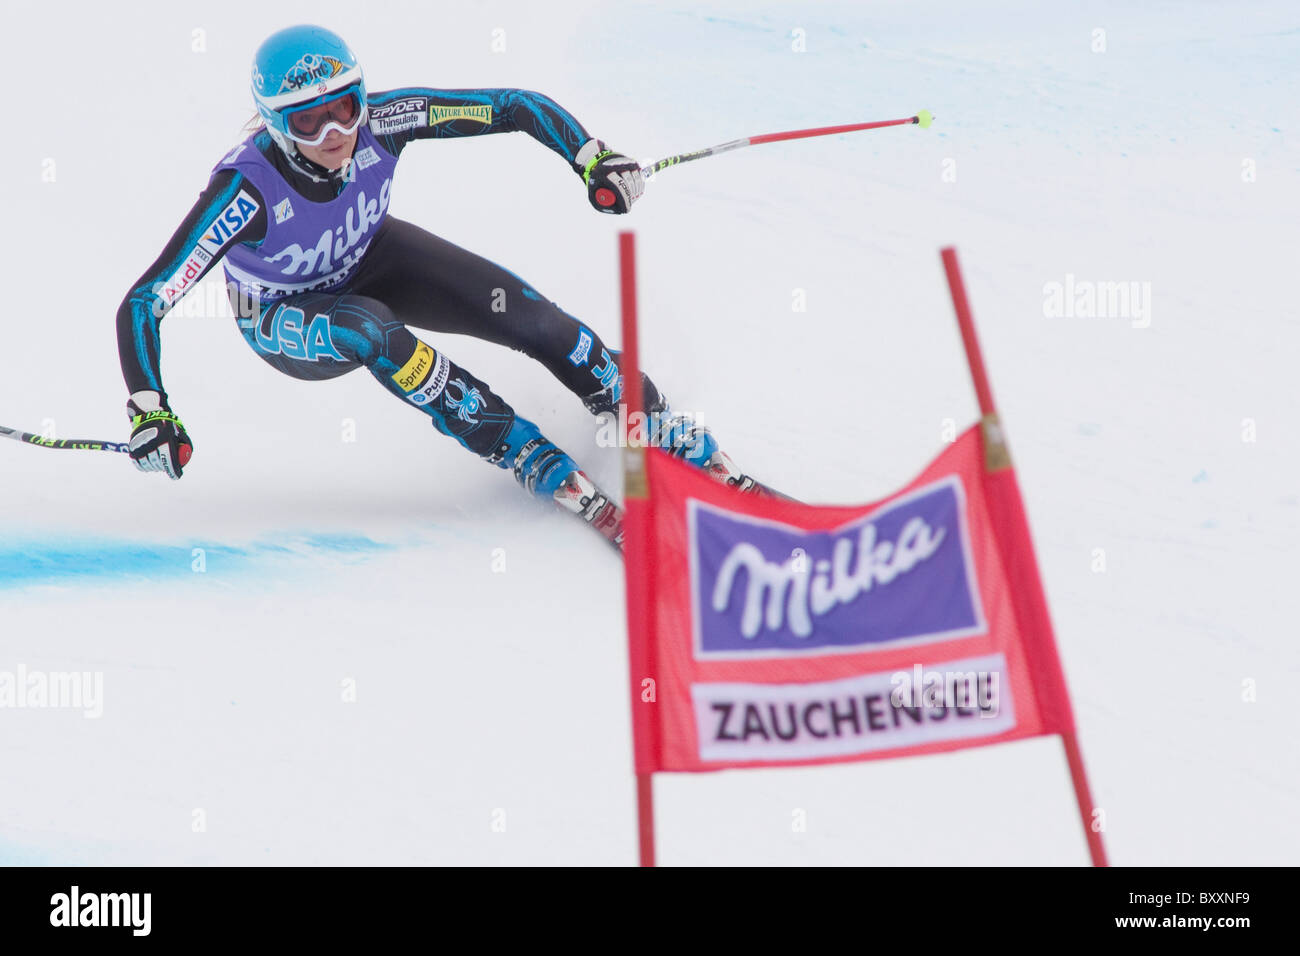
pixel 11 855
pixel 24 563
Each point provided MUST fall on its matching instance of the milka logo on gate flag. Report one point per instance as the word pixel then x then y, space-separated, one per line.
pixel 902 574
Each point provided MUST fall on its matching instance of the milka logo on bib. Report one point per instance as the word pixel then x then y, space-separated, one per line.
pixel 334 244
pixel 903 574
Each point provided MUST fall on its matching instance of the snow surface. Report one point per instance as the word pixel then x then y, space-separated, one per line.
pixel 486 696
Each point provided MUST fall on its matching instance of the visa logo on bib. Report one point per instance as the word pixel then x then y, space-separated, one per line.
pixel 228 222
pixel 902 575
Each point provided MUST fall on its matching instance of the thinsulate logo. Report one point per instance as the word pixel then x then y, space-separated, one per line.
pixel 445 114
pixel 901 575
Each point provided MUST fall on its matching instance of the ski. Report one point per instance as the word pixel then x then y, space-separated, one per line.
pixel 722 469
pixel 756 487
pixel 579 496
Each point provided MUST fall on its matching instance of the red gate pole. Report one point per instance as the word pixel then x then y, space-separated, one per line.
pixel 997 458
pixel 639 567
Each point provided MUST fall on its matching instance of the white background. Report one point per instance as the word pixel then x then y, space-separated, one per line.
pixel 480 692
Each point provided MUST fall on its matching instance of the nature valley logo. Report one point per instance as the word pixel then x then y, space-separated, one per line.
pixel 445 114
pixel 310 68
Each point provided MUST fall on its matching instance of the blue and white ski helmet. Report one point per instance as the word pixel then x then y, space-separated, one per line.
pixel 299 68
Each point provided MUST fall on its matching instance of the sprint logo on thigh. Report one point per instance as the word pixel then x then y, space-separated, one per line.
pixel 434 368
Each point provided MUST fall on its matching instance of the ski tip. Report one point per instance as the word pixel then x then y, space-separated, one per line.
pixel 924 119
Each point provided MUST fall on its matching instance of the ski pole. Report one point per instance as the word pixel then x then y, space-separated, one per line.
pixel 922 119
pixel 83 444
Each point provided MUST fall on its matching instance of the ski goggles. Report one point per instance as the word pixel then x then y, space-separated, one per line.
pixel 311 122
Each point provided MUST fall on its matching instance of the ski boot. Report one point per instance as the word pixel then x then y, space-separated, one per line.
pixel 680 436
pixel 683 438
pixel 542 469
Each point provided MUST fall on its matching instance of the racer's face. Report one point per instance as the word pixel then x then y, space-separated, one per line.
pixel 333 151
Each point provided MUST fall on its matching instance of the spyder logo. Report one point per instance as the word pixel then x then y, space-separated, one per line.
pixel 470 401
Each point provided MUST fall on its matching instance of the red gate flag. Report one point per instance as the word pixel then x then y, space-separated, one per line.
pixel 766 632
pixel 778 633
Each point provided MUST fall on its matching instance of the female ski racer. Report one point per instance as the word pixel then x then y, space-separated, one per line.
pixel 323 280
